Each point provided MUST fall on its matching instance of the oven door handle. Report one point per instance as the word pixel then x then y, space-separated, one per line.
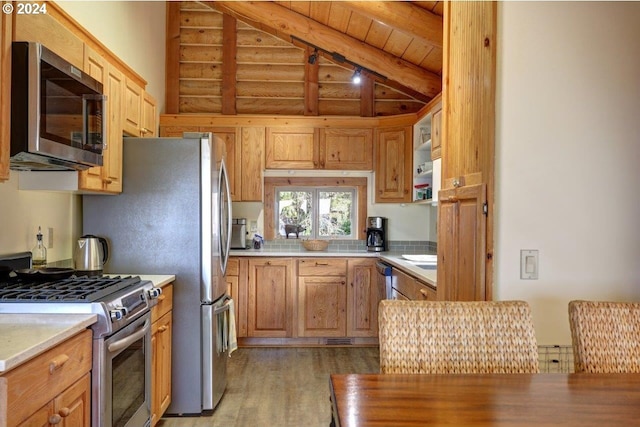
pixel 126 342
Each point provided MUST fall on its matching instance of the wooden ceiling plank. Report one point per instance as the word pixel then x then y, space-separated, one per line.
pixel 286 21
pixel 403 16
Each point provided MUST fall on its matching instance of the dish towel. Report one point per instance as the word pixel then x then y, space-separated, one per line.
pixel 232 339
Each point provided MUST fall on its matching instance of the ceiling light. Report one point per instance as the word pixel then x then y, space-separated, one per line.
pixel 313 57
pixel 356 78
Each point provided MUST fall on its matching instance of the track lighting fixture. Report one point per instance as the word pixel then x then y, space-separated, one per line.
pixel 356 78
pixel 313 57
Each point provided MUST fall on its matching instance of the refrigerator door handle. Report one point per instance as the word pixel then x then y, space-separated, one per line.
pixel 225 194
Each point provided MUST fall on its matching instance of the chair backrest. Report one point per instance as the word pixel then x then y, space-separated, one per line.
pixel 605 336
pixel 438 337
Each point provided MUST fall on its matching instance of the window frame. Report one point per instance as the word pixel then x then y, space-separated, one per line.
pixel 315 209
pixel 273 183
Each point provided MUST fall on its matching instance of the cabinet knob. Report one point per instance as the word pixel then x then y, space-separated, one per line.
pixel 64 412
pixel 55 419
pixel 163 328
pixel 424 293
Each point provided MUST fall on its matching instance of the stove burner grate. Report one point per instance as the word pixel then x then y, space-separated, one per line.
pixel 73 289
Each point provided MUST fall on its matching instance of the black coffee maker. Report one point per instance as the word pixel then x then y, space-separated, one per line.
pixel 376 234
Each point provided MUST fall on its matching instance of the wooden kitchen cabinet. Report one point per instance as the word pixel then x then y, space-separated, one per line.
pixel 270 298
pixel 408 287
pixel 313 148
pixel 292 148
pixel 161 333
pixel 322 297
pixel 363 297
pixel 52 388
pixel 5 95
pixel 436 135
pixel 346 149
pixel 149 128
pixel 108 177
pixel 139 111
pixel 461 243
pixel 393 158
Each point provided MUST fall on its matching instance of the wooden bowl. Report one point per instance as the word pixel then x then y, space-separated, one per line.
pixel 315 245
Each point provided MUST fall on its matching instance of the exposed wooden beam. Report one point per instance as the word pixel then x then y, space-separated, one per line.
pixel 367 97
pixel 286 21
pixel 311 89
pixel 404 17
pixel 172 81
pixel 229 64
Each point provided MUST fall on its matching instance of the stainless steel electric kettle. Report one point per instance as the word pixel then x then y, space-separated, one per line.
pixel 90 255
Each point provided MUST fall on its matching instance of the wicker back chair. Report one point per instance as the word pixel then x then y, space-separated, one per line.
pixel 438 337
pixel 605 336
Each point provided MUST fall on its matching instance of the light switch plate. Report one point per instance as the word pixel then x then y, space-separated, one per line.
pixel 529 264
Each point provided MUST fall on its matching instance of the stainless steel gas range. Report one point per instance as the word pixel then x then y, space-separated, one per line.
pixel 121 371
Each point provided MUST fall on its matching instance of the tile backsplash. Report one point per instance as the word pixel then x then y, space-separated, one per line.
pixel 403 246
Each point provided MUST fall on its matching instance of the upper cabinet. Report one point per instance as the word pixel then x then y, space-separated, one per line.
pixel 5 94
pixel 292 148
pixel 319 148
pixel 393 151
pixel 140 118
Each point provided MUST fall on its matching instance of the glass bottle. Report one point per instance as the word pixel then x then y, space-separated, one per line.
pixel 39 252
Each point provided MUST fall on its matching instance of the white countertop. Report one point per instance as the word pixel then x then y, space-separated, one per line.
pixel 158 280
pixel 24 336
pixel 428 276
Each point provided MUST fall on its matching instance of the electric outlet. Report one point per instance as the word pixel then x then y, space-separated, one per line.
pixel 253 226
pixel 50 238
pixel 529 264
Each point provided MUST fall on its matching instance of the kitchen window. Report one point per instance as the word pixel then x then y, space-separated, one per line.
pixel 323 213
pixel 327 208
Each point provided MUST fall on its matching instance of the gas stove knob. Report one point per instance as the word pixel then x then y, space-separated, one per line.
pixel 154 293
pixel 117 313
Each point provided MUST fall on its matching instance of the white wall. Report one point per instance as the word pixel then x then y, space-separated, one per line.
pixel 568 155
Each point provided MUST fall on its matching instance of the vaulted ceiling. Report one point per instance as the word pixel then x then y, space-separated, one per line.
pixel 399 40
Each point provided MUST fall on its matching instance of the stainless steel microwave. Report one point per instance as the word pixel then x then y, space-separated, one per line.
pixel 58 112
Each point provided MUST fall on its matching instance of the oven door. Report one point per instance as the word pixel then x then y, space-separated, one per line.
pixel 124 395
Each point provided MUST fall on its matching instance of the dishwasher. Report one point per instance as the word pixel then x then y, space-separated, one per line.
pixel 385 279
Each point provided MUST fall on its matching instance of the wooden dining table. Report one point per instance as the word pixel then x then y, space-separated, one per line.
pixel 391 400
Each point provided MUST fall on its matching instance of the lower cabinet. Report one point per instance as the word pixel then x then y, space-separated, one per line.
pixel 270 298
pixel 301 300
pixel 161 332
pixel 406 287
pixel 322 297
pixel 53 388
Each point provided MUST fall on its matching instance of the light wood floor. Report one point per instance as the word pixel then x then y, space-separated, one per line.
pixel 281 387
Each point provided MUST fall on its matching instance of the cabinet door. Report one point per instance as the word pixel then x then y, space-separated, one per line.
pixel 321 306
pixel 161 332
pixel 149 121
pixel 132 119
pixel 112 168
pixel 96 66
pixel 229 138
pixel 363 296
pixel 252 159
pixel 73 406
pixel 436 135
pixel 270 298
pixel 291 148
pixel 461 243
pixel 393 165
pixel 346 149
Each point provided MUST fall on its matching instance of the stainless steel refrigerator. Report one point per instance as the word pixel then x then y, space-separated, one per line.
pixel 174 217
